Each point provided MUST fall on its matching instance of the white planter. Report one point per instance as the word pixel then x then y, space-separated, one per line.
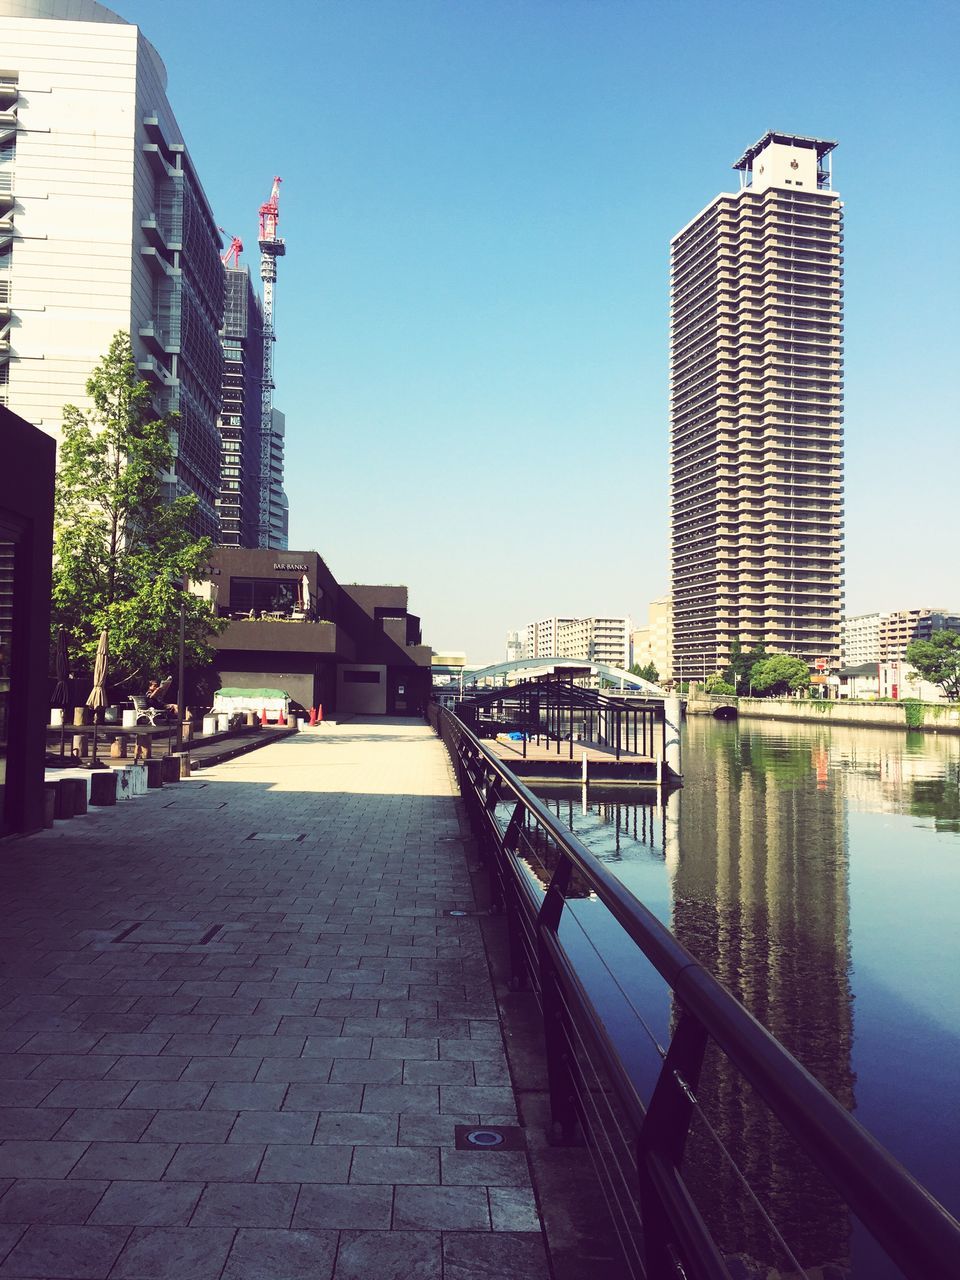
pixel 56 716
pixel 129 718
pixel 209 724
pixel 223 723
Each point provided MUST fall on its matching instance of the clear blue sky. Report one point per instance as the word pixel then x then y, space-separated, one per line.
pixel 478 201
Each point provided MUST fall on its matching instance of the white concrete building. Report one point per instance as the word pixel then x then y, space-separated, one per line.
pixel 598 639
pixel 279 517
pixel 103 226
pixel 860 639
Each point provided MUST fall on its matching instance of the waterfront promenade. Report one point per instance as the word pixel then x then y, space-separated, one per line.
pixel 238 1031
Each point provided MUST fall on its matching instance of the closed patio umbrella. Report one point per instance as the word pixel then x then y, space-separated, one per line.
pixel 61 690
pixel 305 593
pixel 97 697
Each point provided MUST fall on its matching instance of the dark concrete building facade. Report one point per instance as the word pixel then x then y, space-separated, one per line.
pixel 26 547
pixel 352 649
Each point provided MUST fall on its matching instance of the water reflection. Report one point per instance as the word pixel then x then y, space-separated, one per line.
pixel 807 866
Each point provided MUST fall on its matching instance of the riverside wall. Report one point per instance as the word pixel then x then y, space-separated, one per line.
pixel 933 717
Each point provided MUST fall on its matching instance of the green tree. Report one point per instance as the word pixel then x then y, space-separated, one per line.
pixel 716 684
pixel 742 663
pixel 779 674
pixel 938 660
pixel 119 550
pixel 648 672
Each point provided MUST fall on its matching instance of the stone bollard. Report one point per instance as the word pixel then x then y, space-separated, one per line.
pixel 184 760
pixel 78 789
pixel 154 773
pixel 63 804
pixel 249 719
pixel 81 715
pixel 81 744
pixel 49 803
pixel 103 787
pixel 170 769
pixel 118 747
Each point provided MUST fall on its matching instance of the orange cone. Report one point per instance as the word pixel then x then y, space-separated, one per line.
pixel 313 717
pixel 263 717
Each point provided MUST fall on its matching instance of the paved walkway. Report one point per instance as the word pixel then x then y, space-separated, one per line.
pixel 238 1030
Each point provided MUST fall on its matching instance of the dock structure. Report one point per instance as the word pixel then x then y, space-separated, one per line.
pixel 552 728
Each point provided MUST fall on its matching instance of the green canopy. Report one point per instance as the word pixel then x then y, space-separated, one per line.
pixel 251 693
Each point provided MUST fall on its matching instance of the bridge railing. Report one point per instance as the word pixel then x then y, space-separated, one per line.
pixel 637 1124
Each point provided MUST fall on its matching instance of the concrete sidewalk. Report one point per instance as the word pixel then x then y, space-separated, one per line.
pixel 238 1030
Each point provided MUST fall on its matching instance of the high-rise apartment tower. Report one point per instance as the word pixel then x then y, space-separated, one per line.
pixel 104 226
pixel 241 411
pixel 756 413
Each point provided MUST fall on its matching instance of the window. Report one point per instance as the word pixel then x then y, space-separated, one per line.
pixel 263 594
pixel 361 677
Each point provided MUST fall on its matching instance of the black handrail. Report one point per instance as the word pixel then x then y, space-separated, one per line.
pixel 915 1231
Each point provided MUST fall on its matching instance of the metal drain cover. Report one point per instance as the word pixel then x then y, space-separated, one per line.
pixel 488 1137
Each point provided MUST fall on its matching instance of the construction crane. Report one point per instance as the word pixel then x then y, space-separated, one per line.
pixel 272 247
pixel 231 256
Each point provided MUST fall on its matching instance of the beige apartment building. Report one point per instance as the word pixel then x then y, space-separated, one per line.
pixel 756 413
pixel 653 643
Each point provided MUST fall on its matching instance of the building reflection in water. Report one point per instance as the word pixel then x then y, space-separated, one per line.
pixel 761 898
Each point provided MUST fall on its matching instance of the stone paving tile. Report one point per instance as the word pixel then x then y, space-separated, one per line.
pixel 31 1122
pixel 244 1204
pixel 281 1255
pixel 274 1126
pixel 390 1255
pixel 147 1204
pixel 284 1163
pixel 65 1253
pixel 50 1200
pixel 299 1076
pixel 411 1165
pixel 492 1168
pixel 136 1161
pixel 441 1208
pixel 346 1128
pixel 25 1159
pixel 189 1126
pixel 187 1253
pixel 215 1162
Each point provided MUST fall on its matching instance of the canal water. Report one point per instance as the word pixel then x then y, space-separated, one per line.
pixel 816 872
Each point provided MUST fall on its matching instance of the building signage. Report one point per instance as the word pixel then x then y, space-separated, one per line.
pixel 304 567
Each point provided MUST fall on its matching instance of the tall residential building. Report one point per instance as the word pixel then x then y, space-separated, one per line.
pixel 241 411
pixel 756 413
pixel 279 507
pixel 898 629
pixel 104 226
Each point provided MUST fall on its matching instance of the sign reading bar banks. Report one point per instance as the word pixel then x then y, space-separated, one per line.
pixel 305 568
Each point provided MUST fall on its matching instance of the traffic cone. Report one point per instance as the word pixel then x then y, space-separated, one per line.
pixel 263 718
pixel 313 717
pixel 320 714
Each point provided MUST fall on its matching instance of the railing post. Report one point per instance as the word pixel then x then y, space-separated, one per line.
pixel 662 1140
pixel 563 1110
pixel 518 960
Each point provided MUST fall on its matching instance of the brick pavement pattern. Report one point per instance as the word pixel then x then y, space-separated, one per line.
pixel 238 1028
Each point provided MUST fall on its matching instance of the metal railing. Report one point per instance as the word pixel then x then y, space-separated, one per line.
pixel 638 1130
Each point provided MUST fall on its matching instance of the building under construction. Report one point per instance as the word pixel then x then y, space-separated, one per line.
pixel 252 505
